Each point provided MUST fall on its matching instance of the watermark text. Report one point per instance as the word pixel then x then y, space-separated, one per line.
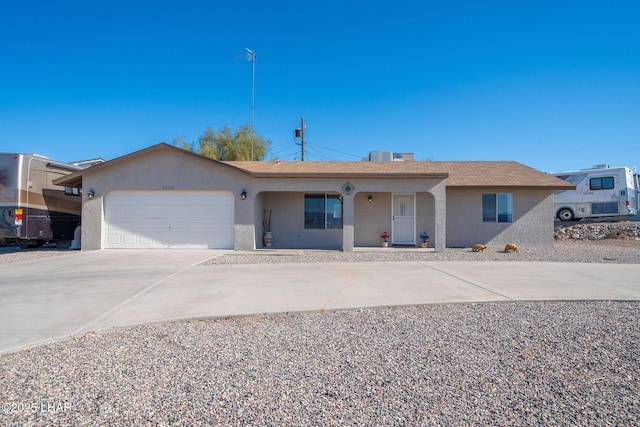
pixel 34 407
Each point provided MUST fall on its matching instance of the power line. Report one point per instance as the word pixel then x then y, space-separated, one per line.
pixel 337 151
pixel 317 154
pixel 286 152
pixel 283 149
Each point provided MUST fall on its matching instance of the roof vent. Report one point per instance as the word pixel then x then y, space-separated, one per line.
pixel 601 166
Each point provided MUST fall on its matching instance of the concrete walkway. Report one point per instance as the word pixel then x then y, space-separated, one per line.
pixel 53 298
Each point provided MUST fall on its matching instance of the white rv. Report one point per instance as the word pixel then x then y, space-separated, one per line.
pixel 600 192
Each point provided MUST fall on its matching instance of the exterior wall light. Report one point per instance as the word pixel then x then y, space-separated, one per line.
pixel 91 194
pixel 370 199
pixel 243 195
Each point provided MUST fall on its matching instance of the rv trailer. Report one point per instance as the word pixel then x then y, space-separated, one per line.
pixel 33 211
pixel 601 192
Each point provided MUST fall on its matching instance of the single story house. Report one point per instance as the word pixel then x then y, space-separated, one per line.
pixel 165 197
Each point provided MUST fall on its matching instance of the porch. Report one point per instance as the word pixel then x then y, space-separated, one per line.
pixel 316 220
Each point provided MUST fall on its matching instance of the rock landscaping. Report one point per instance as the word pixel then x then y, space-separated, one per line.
pixel 511 363
pixel 529 363
pixel 598 231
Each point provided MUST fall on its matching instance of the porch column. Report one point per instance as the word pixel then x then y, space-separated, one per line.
pixel 347 223
pixel 244 228
pixel 440 194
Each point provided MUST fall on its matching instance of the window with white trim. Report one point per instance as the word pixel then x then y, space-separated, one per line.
pixel 497 207
pixel 322 211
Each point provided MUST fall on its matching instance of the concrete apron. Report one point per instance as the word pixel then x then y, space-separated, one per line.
pixel 54 298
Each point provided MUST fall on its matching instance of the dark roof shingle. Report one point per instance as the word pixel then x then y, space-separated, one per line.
pixel 463 174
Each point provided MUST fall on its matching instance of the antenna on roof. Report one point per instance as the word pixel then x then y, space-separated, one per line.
pixel 251 56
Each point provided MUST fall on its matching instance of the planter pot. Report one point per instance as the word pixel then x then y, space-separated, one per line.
pixel 423 245
pixel 385 244
pixel 268 239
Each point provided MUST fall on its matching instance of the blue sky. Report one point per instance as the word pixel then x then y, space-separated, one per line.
pixel 551 84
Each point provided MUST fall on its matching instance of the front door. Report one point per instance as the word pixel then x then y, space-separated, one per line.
pixel 404 219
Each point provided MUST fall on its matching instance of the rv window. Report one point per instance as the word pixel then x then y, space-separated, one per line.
pixel 603 183
pixel 71 191
pixel 574 179
pixel 604 208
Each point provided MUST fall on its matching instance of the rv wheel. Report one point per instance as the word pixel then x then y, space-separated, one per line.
pixel 565 214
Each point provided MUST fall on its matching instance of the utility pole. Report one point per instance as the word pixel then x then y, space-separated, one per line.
pixel 302 136
pixel 299 133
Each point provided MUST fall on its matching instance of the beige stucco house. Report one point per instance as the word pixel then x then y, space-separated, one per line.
pixel 165 197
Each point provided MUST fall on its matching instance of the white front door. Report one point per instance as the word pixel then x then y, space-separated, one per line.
pixel 404 219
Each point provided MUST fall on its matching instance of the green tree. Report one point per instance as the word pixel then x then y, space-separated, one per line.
pixel 227 144
pixel 180 141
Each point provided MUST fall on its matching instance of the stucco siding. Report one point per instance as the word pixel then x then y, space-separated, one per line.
pixel 287 223
pixel 170 171
pixel 371 219
pixel 425 217
pixel 451 217
pixel 92 219
pixel 158 171
pixel 532 223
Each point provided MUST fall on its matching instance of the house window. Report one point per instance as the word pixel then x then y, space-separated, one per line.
pixel 322 211
pixel 603 183
pixel 497 207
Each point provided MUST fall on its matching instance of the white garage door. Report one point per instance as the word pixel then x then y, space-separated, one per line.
pixel 169 219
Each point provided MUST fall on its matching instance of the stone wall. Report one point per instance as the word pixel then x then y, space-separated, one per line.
pixel 598 231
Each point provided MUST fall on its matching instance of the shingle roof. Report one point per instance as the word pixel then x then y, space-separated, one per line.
pixel 464 174
pixel 323 169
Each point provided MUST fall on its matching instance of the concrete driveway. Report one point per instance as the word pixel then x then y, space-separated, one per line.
pixel 53 298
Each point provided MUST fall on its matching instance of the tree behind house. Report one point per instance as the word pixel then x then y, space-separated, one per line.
pixel 226 144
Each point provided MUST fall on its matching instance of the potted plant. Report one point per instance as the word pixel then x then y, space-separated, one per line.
pixel 424 236
pixel 267 239
pixel 384 236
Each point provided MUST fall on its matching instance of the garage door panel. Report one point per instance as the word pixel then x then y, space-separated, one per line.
pixel 195 228
pixel 169 219
pixel 196 212
pixel 143 240
pixel 130 239
pixel 113 239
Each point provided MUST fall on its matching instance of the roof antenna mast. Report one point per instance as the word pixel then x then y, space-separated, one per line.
pixel 251 56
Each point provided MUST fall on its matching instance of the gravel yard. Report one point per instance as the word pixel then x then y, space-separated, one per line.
pixel 532 363
pixel 616 251
pixel 516 363
pixel 14 254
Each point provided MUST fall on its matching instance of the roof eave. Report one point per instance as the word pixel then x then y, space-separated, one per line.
pixel 347 175
pixel 75 179
pixel 510 187
pixel 71 180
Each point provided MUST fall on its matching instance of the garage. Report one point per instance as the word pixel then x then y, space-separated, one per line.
pixel 169 220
